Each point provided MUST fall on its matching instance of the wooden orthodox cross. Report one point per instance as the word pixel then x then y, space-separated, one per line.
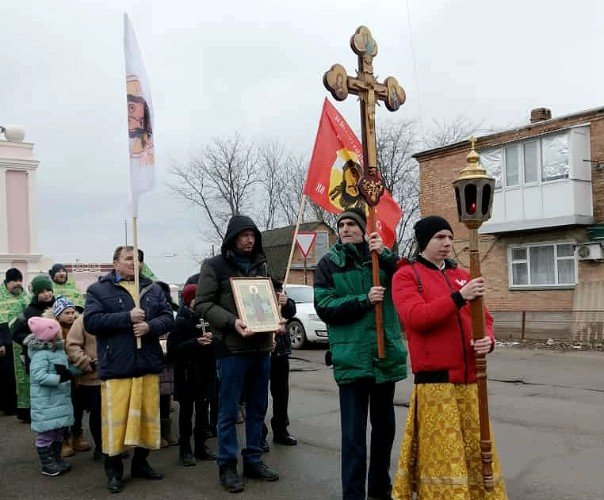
pixel 365 86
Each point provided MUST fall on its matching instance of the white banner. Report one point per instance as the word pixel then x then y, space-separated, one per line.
pixel 140 120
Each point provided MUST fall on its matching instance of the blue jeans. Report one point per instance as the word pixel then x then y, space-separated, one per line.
pixel 355 400
pixel 247 374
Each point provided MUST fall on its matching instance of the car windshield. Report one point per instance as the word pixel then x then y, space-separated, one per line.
pixel 301 293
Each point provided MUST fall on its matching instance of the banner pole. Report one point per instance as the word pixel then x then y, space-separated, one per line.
pixel 291 252
pixel 136 297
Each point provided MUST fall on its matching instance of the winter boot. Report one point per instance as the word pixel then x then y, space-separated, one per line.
pixel 78 443
pixel 114 468
pixel 49 466
pixel 140 466
pixel 166 433
pixel 230 480
pixel 57 447
pixel 67 450
pixel 186 455
pixel 202 452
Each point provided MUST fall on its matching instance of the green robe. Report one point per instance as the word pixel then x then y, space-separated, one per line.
pixel 70 291
pixel 10 308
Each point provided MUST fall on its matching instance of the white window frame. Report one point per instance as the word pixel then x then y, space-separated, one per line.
pixel 527 261
pixel 521 170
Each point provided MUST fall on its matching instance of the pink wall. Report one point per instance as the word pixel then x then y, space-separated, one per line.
pixel 17 211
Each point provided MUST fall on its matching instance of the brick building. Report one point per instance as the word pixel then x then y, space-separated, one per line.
pixel 541 251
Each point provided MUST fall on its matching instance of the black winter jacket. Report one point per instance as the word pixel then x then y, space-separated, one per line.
pixel 194 364
pixel 107 317
pixel 214 300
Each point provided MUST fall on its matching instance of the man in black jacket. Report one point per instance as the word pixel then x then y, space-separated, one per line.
pixel 130 375
pixel 243 356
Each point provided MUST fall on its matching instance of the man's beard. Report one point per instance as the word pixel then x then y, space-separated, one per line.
pixel 16 290
pixel 60 280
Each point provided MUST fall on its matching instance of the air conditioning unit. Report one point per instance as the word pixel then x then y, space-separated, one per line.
pixel 590 251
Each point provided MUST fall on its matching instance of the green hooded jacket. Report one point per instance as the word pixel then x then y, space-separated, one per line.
pixel 341 285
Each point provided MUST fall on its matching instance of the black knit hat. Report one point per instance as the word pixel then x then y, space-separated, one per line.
pixel 357 215
pixel 13 274
pixel 55 269
pixel 427 227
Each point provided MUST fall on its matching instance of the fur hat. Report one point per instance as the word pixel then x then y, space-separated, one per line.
pixel 427 227
pixel 13 274
pixel 44 329
pixel 357 215
pixel 40 283
pixel 188 294
pixel 55 269
pixel 61 303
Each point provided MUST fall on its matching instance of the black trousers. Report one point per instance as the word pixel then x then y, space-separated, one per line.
pixel 279 387
pixel 188 407
pixel 87 397
pixel 8 388
pixel 357 400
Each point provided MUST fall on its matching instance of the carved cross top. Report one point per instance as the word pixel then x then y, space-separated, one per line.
pixel 369 90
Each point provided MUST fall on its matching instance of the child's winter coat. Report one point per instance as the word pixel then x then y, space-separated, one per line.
pixel 51 406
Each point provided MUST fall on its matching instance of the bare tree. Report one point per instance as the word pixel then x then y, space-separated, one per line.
pixel 444 133
pixel 220 181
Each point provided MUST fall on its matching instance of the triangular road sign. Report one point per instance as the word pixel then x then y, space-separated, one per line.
pixel 304 240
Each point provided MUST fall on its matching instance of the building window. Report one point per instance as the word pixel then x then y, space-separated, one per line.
pixel 542 159
pixel 543 264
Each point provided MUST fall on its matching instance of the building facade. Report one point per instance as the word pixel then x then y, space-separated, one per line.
pixel 542 249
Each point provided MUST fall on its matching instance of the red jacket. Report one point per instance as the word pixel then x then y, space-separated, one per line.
pixel 438 329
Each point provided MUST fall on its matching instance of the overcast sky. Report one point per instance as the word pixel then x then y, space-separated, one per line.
pixel 255 67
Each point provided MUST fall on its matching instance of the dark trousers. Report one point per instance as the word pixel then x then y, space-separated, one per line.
pixel 87 397
pixel 248 374
pixel 356 399
pixel 8 388
pixel 279 387
pixel 185 425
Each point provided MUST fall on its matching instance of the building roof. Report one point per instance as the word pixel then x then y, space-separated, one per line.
pixel 540 127
pixel 277 245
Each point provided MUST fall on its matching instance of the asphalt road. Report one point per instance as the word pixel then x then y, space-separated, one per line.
pixel 546 407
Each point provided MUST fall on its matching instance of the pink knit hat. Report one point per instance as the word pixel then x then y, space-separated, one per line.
pixel 45 329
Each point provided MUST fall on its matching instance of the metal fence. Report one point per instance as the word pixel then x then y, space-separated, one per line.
pixel 572 325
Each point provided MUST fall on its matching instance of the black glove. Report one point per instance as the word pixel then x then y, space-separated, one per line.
pixel 63 373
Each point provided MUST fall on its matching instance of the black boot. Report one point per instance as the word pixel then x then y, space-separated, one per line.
pixel 202 452
pixel 50 467
pixel 229 478
pixel 140 467
pixel 259 470
pixel 186 455
pixel 114 468
pixel 57 446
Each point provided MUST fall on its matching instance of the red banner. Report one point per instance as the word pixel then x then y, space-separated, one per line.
pixel 335 169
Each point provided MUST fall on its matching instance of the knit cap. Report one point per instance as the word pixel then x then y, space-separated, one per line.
pixel 61 303
pixel 427 227
pixel 188 294
pixel 40 283
pixel 44 329
pixel 357 215
pixel 13 274
pixel 55 269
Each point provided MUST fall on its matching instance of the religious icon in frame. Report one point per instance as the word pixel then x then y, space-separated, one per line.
pixel 256 303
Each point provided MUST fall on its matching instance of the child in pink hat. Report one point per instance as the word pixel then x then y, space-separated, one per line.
pixel 50 392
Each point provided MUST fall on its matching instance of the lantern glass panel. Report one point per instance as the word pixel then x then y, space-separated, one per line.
pixel 486 199
pixel 458 201
pixel 470 195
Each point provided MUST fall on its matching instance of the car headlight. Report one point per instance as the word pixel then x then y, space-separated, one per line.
pixel 314 317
